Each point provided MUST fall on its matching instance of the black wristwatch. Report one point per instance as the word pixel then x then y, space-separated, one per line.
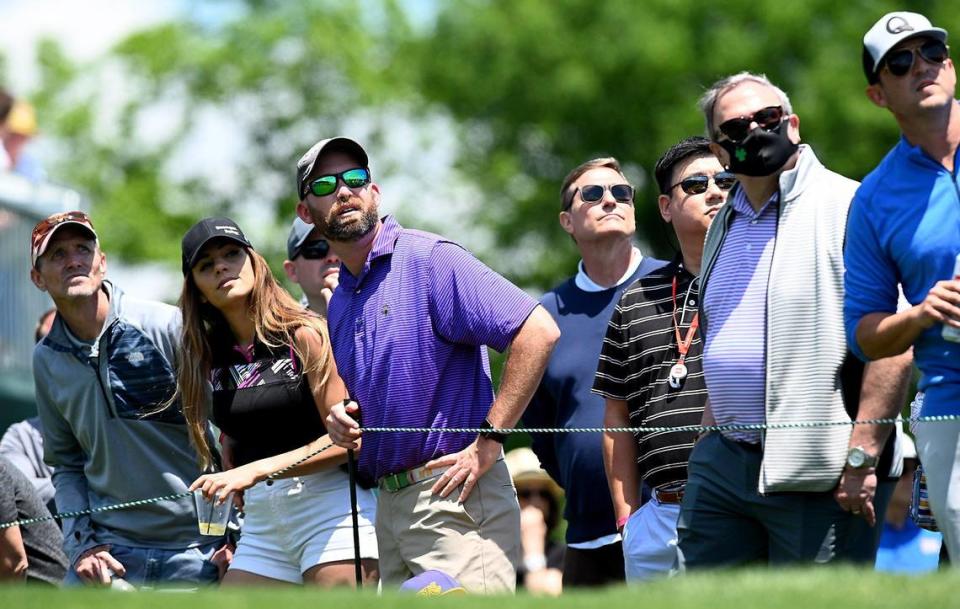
pixel 489 434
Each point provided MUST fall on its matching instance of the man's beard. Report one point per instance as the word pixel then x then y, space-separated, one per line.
pixel 346 232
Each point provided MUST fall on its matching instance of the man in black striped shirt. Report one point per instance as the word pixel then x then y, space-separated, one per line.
pixel 650 366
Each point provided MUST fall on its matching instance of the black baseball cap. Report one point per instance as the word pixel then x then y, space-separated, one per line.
pixel 309 159
pixel 297 237
pixel 202 232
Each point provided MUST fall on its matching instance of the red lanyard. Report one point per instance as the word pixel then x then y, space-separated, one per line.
pixel 683 345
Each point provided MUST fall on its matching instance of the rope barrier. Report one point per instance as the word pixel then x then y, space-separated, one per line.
pixel 138 502
pixel 699 428
pixel 726 427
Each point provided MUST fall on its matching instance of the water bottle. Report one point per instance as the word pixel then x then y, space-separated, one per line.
pixel 949 332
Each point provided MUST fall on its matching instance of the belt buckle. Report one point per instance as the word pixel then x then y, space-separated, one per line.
pixel 395 482
pixel 673 495
pixel 390 483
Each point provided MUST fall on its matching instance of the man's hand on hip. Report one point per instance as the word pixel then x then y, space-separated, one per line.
pixel 465 467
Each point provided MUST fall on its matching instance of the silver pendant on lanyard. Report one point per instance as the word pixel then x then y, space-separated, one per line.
pixel 678 372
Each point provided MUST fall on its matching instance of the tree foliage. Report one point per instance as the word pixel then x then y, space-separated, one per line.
pixel 275 78
pixel 534 88
pixel 540 87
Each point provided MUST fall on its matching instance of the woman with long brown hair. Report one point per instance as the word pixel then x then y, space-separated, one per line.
pixel 270 366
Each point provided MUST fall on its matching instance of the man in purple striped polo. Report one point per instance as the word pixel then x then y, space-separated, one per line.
pixel 410 323
pixel 775 354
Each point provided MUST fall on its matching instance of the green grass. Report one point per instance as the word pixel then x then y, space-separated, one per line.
pixel 833 588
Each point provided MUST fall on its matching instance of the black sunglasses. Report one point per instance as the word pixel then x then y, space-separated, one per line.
pixel 591 193
pixel 353 178
pixel 899 62
pixel 527 493
pixel 737 129
pixel 315 250
pixel 698 184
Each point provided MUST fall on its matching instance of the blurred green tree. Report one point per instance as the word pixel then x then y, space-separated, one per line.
pixel 539 87
pixel 262 84
pixel 531 88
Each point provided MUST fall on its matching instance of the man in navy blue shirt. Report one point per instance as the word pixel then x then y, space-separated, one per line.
pixel 597 212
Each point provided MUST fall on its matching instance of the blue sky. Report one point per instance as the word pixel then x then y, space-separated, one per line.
pixel 85 28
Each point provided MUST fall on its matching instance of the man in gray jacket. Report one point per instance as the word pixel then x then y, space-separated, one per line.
pixel 103 375
pixel 771 316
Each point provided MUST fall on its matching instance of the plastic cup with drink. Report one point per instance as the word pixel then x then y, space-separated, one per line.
pixel 212 517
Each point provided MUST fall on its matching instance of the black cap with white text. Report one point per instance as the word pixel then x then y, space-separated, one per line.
pixel 202 232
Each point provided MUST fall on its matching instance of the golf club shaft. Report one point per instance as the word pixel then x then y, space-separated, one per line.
pixel 352 470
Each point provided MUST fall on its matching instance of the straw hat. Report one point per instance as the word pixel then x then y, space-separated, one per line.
pixel 525 469
pixel 22 120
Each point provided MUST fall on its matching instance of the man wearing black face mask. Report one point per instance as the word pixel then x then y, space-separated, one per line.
pixel 775 354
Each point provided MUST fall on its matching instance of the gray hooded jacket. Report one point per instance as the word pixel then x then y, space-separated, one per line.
pixel 105 435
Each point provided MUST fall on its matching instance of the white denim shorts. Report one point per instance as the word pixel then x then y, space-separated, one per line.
pixel 298 523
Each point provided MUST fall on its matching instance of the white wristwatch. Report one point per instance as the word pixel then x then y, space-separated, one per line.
pixel 858 458
pixel 534 562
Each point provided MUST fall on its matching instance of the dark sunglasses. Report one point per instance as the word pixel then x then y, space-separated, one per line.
pixel 737 129
pixel 315 250
pixel 527 493
pixel 353 178
pixel 591 193
pixel 698 184
pixel 900 62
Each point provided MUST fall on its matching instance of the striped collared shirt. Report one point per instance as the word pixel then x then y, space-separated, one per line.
pixel 639 350
pixel 734 360
pixel 410 337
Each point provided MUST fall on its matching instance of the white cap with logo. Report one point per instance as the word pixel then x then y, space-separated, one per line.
pixel 889 31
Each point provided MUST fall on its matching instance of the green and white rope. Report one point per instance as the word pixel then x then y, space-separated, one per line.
pixel 136 503
pixel 96 510
pixel 698 428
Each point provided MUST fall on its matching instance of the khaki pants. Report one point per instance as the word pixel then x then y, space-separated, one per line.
pixel 477 543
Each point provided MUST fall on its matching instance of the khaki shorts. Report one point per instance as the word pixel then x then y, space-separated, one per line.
pixel 477 543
